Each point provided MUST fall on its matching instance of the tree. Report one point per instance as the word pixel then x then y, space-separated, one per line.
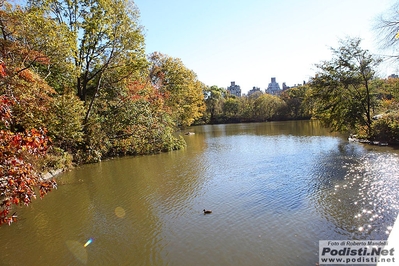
pixel 386 124
pixel 392 87
pixel 25 102
pixel 182 90
pixel 345 98
pixel 66 128
pixel 36 42
pixel 296 106
pixel 32 48
pixel 266 106
pixel 387 28
pixel 141 123
pixel 18 175
pixel 247 107
pixel 231 106
pixel 21 53
pixel 214 99
pixel 106 37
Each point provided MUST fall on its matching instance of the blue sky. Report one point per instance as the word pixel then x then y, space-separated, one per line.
pixel 251 41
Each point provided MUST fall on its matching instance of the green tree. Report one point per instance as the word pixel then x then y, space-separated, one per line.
pixel 106 37
pixel 231 107
pixel 247 107
pixel 66 127
pixel 214 98
pixel 345 98
pixel 296 107
pixel 182 90
pixel 266 106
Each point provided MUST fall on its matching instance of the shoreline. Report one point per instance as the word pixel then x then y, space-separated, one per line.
pixel 52 173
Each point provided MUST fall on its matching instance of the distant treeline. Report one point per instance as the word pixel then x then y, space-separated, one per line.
pixel 222 107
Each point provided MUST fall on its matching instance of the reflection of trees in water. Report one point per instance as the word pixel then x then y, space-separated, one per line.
pixel 274 128
pixel 356 190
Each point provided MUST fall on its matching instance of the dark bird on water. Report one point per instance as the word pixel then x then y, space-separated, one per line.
pixel 207 211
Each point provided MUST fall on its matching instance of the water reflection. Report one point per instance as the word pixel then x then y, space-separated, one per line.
pixel 286 128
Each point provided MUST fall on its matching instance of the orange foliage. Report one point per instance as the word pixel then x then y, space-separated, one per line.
pixel 14 51
pixel 32 95
pixel 26 75
pixel 138 90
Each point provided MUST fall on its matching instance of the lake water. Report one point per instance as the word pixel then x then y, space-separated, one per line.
pixel 275 190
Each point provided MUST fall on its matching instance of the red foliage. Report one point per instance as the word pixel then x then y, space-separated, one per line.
pixel 18 177
pixel 138 90
pixel 2 70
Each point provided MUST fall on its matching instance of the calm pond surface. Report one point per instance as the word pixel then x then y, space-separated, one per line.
pixel 275 190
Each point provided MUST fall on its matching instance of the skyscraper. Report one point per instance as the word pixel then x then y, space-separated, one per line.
pixel 273 87
pixel 234 89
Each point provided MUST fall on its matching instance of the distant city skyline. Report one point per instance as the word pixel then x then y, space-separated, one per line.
pixel 250 41
pixel 265 88
pixel 272 88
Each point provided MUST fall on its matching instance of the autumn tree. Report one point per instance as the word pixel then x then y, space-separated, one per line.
pixel 37 41
pixel 345 99
pixel 23 103
pixel 19 177
pixel 182 90
pixel 19 82
pixel 33 47
pixel 139 122
pixel 266 106
pixel 106 37
pixel 107 51
pixel 390 90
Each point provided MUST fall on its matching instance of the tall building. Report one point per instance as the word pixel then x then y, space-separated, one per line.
pixel 285 87
pixel 234 89
pixel 273 88
pixel 254 89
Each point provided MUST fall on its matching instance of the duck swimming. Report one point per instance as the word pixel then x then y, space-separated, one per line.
pixel 207 211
